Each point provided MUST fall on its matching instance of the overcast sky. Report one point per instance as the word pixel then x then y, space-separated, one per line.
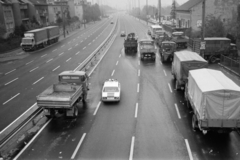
pixel 124 3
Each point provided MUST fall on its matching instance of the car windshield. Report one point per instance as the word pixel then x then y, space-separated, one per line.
pixel 110 89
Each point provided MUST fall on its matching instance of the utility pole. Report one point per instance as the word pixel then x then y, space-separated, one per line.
pixel 139 9
pixel 147 10
pixel 159 11
pixel 202 48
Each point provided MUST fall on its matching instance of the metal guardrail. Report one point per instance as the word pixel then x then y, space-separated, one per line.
pixel 230 64
pixel 82 66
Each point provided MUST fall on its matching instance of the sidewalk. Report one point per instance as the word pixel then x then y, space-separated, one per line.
pixel 20 54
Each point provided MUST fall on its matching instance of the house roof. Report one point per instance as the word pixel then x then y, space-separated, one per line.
pixel 188 5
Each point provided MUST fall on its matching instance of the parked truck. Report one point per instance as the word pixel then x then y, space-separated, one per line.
pixel 147 49
pixel 131 43
pixel 166 51
pixel 64 96
pixel 39 38
pixel 215 101
pixel 183 62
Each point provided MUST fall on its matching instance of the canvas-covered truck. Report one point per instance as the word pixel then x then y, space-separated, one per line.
pixel 147 49
pixel 53 34
pixel 64 96
pixel 131 43
pixel 166 50
pixel 215 101
pixel 183 62
pixel 180 40
pixel 39 38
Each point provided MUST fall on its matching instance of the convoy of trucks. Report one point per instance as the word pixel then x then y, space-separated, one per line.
pixel 39 38
pixel 215 101
pixel 183 62
pixel 64 96
pixel 131 43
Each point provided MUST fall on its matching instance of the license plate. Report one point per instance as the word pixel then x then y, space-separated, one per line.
pixel 110 98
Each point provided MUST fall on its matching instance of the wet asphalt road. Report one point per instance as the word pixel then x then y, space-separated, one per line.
pixel 150 122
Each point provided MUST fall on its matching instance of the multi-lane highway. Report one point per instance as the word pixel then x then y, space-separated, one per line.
pixel 150 122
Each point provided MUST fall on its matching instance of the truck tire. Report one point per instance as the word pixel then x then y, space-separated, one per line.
pixel 194 122
pixel 213 60
pixel 84 98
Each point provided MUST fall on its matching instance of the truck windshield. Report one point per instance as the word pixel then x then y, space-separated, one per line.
pixel 71 79
pixel 27 41
pixel 147 45
pixel 110 89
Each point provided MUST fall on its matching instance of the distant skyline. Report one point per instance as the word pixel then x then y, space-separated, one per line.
pixel 124 3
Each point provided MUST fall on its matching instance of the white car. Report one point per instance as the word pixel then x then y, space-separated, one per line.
pixel 111 91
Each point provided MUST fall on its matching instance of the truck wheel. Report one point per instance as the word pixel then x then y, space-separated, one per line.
pixel 177 85
pixel 194 122
pixel 84 98
pixel 213 59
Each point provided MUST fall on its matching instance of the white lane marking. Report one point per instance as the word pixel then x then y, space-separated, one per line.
pixel 138 87
pixel 189 150
pixel 38 81
pixel 61 53
pixel 95 112
pixel 76 44
pixel 132 148
pixel 69 48
pixel 170 87
pixel 62 45
pixel 178 113
pixel 74 39
pixel 18 118
pixel 165 73
pixel 81 41
pixel 10 81
pixel 78 36
pixel 89 43
pixel 11 99
pixel 20 153
pixel 54 50
pixel 85 38
pixel 68 59
pixel 33 69
pixel 49 60
pixel 78 146
pixel 112 72
pixel 119 55
pixel 29 62
pixel 77 53
pixel 138 72
pixel 43 55
pixel 69 42
pixel 136 110
pixel 116 63
pixel 138 62
pixel 10 71
pixel 55 68
pixel 160 62
pixel 84 48
pixel 93 40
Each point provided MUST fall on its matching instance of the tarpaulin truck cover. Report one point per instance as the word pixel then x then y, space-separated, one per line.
pixel 185 61
pixel 215 96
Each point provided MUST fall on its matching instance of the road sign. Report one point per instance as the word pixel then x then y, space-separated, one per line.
pixel 203 45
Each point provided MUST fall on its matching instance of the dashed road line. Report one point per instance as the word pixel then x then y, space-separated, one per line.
pixel 77 53
pixel 132 148
pixel 69 48
pixel 84 48
pixel 116 63
pixel 165 73
pixel 49 60
pixel 119 55
pixel 78 146
pixel 10 71
pixel 178 113
pixel 136 110
pixel 68 59
pixel 33 69
pixel 189 150
pixel 138 72
pixel 62 45
pixel 61 53
pixel 11 81
pixel 11 98
pixel 170 87
pixel 54 50
pixel 112 72
pixel 138 62
pixel 138 88
pixel 95 112
pixel 43 55
pixel 38 81
pixel 76 44
pixel 89 43
pixel 55 68
pixel 28 63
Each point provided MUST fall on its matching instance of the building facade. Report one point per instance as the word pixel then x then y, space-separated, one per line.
pixel 189 15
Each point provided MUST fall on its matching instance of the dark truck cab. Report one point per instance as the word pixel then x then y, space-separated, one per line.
pixel 131 43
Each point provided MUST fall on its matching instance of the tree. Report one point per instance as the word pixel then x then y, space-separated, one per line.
pixel 173 10
pixel 214 27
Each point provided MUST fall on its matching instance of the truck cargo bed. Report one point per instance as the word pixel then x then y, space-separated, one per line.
pixel 59 96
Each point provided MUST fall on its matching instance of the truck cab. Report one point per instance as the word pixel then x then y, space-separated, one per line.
pixel 147 49
pixel 166 50
pixel 180 39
